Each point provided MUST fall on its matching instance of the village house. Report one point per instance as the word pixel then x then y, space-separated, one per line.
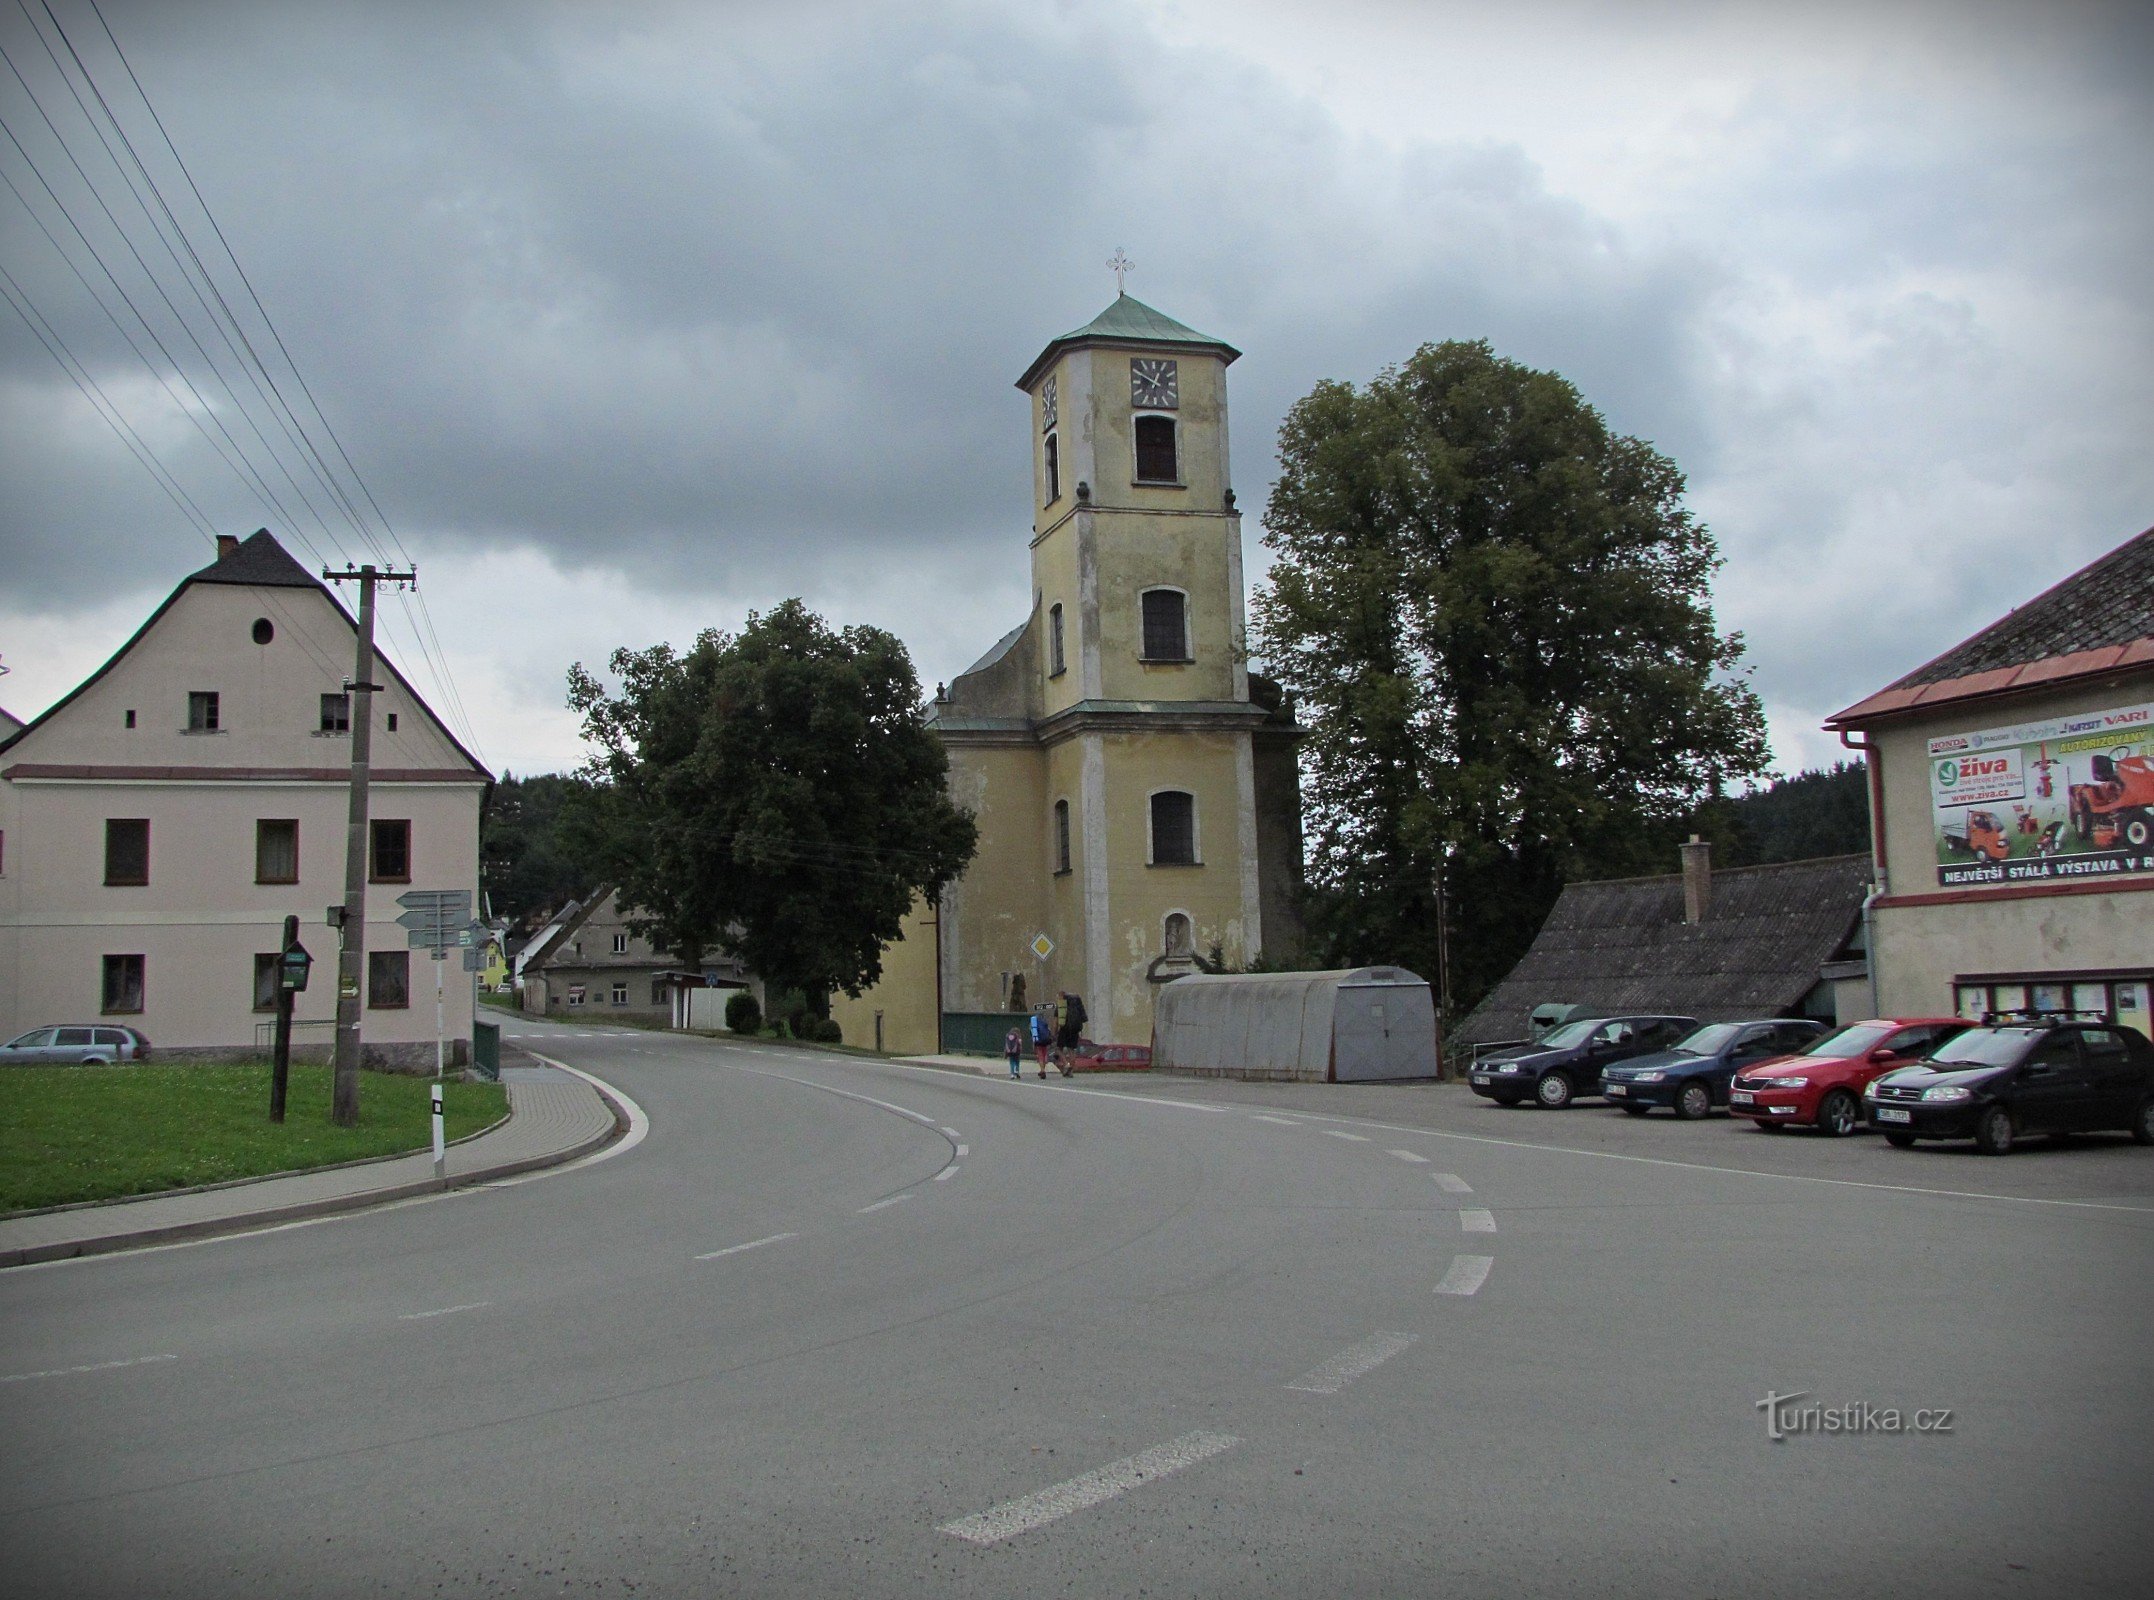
pixel 159 822
pixel 2012 807
pixel 591 961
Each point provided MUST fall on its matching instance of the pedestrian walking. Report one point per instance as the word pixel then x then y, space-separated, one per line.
pixel 1012 1049
pixel 1042 1037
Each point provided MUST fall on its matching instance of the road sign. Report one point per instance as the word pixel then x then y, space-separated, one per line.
pixel 434 916
pixel 474 960
pixel 1043 947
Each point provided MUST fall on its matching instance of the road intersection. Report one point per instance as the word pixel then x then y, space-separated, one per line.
pixel 836 1325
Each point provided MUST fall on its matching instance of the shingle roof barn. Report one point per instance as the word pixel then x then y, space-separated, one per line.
pixel 1623 946
pixel 2095 621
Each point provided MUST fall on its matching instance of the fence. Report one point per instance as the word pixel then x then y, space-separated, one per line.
pixel 980 1033
pixel 322 1034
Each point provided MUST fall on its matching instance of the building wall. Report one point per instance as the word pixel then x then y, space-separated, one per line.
pixel 202 918
pixel 1927 936
pixel 905 995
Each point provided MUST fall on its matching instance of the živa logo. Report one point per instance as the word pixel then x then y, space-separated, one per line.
pixel 1948 773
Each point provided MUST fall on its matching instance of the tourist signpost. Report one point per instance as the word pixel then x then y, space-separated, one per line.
pixel 434 920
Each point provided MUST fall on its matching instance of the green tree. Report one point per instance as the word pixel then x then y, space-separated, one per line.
pixel 1494 613
pixel 528 859
pixel 776 795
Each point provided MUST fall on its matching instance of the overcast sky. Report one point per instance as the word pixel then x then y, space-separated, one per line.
pixel 637 317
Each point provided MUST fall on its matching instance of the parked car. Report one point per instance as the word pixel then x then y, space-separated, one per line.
pixel 99 1044
pixel 1567 1063
pixel 1692 1075
pixel 1822 1087
pixel 1090 1057
pixel 1995 1083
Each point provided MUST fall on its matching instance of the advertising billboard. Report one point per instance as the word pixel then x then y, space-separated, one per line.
pixel 2042 802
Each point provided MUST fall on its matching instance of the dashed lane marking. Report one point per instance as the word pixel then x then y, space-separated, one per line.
pixel 949 1172
pixel 894 1200
pixel 1014 1517
pixel 1474 1219
pixel 445 1311
pixel 95 1366
pixel 1467 1274
pixel 1356 1137
pixel 1352 1362
pixel 963 1151
pixel 1408 1155
pixel 752 1244
pixel 1452 1183
pixel 1284 1122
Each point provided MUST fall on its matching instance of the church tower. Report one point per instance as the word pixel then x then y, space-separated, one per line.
pixel 1135 790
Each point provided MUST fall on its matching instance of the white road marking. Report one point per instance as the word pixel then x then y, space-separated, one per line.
pixel 1467 1274
pixel 95 1366
pixel 1408 1155
pixel 949 1172
pixel 894 1200
pixel 445 1311
pixel 964 1150
pixel 1473 1219
pixel 1352 1362
pixel 952 1132
pixel 1336 1134
pixel 1013 1517
pixel 752 1244
pixel 1284 1122
pixel 1452 1183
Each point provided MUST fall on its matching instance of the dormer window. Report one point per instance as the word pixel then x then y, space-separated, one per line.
pixel 1157 459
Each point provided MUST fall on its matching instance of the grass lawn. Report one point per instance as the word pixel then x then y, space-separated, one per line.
pixel 93 1133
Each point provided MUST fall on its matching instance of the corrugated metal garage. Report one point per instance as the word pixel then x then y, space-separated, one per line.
pixel 1365 1024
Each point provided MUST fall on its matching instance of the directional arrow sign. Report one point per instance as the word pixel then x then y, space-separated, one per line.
pixel 453 904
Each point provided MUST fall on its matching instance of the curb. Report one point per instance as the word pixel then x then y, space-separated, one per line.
pixel 305 1210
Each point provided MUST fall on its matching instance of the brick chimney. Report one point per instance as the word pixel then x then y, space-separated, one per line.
pixel 1697 879
pixel 227 546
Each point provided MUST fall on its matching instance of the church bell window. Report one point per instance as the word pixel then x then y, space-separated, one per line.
pixel 1056 664
pixel 1054 470
pixel 1157 459
pixel 1166 625
pixel 1062 836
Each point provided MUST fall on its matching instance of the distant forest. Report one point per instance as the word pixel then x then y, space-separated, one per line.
pixel 1818 813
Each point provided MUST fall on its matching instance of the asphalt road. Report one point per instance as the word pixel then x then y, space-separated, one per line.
pixel 839 1327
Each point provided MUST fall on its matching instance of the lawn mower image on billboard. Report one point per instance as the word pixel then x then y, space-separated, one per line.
pixel 2118 804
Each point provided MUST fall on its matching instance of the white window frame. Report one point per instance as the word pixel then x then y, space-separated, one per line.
pixel 1196 829
pixel 620 944
pixel 620 994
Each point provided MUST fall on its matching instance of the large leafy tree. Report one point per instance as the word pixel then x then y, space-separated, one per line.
pixel 775 794
pixel 1494 613
pixel 525 863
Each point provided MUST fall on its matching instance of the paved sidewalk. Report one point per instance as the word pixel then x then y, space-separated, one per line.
pixel 554 1116
pixel 985 1066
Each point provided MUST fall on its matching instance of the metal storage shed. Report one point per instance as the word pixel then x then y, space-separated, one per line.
pixel 1360 1025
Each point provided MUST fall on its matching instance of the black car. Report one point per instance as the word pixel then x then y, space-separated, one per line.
pixel 1995 1083
pixel 1692 1075
pixel 1567 1062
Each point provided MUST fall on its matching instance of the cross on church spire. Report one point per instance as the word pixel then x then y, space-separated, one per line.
pixel 1118 266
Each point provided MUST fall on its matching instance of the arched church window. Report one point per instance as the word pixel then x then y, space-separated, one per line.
pixel 1174 828
pixel 1062 836
pixel 1055 663
pixel 1166 625
pixel 1054 470
pixel 1177 941
pixel 1156 456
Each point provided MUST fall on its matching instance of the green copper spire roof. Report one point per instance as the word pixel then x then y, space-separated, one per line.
pixel 1127 321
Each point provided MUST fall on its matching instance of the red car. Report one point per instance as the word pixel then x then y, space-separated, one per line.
pixel 1090 1057
pixel 1822 1087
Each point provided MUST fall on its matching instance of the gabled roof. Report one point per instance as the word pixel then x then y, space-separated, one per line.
pixel 1127 321
pixel 2097 620
pixel 255 562
pixel 1622 946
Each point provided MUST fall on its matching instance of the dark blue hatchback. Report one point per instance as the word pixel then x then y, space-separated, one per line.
pixel 1692 1076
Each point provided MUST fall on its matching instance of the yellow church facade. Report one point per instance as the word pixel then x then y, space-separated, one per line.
pixel 1135 788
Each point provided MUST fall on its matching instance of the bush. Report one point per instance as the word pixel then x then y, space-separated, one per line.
pixel 742 1014
pixel 825 1030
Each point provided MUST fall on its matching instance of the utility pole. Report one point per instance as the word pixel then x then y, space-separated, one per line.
pixel 1443 962
pixel 351 957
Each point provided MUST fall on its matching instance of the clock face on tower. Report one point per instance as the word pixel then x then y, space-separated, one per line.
pixel 1047 405
pixel 1153 385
